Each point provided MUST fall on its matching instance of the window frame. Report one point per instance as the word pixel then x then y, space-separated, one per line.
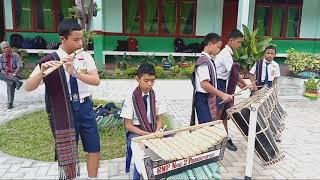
pixel 286 6
pixel 34 18
pixel 160 32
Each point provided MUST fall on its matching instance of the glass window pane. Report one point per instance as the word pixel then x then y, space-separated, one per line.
pixel 293 22
pixel 23 14
pixel 187 17
pixel 151 16
pixel 132 16
pixel 170 16
pixel 45 15
pixel 277 21
pixel 261 18
pixel 63 11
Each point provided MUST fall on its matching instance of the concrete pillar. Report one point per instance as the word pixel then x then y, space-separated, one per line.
pixel 97 22
pixel 97 25
pixel 8 14
pixel 243 13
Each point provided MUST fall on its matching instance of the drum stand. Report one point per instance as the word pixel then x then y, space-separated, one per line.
pixel 251 140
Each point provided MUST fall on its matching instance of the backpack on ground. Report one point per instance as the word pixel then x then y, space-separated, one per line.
pixel 16 40
pixel 39 43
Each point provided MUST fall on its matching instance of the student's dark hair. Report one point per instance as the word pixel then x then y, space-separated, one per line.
pixel 211 37
pixel 146 68
pixel 67 26
pixel 271 47
pixel 235 34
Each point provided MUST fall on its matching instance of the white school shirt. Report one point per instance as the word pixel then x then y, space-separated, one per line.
pixel 128 111
pixel 82 62
pixel 202 74
pixel 273 70
pixel 224 61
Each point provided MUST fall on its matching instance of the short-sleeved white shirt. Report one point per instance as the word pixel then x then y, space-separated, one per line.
pixel 202 74
pixel 128 111
pixel 273 70
pixel 83 62
pixel 224 61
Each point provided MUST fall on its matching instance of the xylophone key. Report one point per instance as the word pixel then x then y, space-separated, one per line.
pixel 155 149
pixel 191 142
pixel 209 140
pixel 211 135
pixel 201 141
pixel 165 147
pixel 169 141
pixel 221 133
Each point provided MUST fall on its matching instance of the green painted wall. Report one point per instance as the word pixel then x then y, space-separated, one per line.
pixel 49 37
pixel 159 44
pixel 165 44
pixel 301 45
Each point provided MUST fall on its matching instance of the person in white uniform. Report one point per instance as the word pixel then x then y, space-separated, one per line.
pixel 224 61
pixel 265 71
pixel 80 73
pixel 142 113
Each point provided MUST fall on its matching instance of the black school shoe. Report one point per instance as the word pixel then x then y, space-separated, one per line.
pixel 231 146
pixel 10 106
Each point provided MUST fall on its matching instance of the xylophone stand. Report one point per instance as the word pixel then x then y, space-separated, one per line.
pixel 251 140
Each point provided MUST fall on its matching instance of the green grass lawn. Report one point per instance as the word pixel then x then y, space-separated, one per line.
pixel 30 137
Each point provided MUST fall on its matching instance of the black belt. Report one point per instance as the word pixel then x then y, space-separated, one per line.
pixel 222 80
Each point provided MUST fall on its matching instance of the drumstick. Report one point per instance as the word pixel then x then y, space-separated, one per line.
pixel 51 69
pixel 245 88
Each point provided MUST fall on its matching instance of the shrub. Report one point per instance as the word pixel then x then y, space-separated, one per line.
pixel 301 61
pixel 131 72
pixel 160 73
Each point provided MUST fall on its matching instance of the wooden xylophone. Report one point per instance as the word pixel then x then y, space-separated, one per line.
pixel 187 153
pixel 270 123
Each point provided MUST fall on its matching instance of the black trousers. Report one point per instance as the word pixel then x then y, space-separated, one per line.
pixel 10 92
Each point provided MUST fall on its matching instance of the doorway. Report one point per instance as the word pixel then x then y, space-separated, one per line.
pixel 230 17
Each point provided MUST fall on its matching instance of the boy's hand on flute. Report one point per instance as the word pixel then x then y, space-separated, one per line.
pixel 47 65
pixel 69 64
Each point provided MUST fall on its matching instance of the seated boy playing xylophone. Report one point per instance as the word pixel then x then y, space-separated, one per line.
pixel 142 114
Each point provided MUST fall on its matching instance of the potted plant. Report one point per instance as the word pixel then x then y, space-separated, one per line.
pixel 252 49
pixel 166 64
pixel 183 63
pixel 123 61
pixel 312 88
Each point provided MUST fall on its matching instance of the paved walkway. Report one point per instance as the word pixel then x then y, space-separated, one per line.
pixel 301 142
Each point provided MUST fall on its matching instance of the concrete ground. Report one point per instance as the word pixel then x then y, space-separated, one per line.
pixel 300 140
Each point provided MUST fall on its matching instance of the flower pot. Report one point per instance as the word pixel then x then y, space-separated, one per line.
pixel 311 96
pixel 184 64
pixel 166 65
